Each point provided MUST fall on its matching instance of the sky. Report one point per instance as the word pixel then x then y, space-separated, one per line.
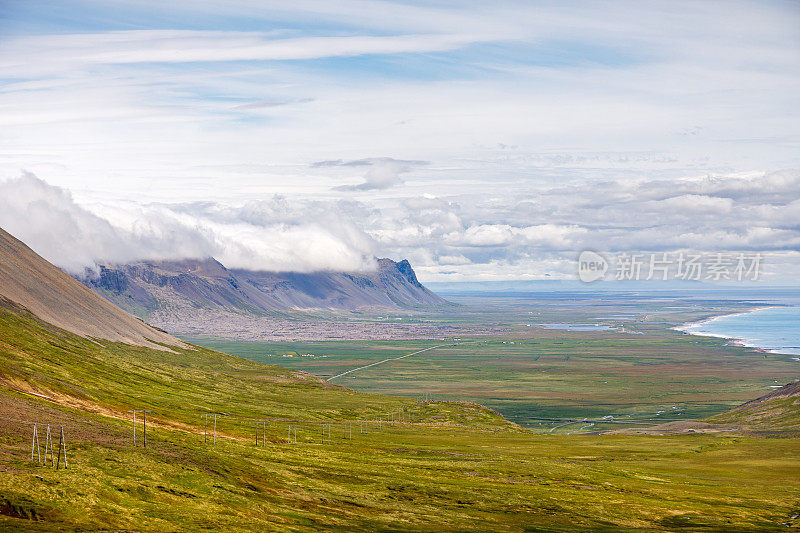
pixel 479 140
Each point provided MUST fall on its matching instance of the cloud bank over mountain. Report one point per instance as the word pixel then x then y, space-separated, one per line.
pixel 455 237
pixel 268 235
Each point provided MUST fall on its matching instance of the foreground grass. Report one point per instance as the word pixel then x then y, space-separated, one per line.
pixel 416 479
pixel 456 467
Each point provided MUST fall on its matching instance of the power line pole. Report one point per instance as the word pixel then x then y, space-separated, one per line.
pixel 62 445
pixel 48 443
pixel 35 445
pixel 144 425
pixel 263 426
pixel 134 427
pixel 205 427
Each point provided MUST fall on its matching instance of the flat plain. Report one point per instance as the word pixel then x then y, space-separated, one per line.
pixel 613 359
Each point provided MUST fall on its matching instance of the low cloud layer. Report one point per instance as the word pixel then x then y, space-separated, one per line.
pixel 269 235
pixel 463 236
pixel 382 172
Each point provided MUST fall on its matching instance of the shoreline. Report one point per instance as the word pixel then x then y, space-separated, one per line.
pixel 684 327
pixel 734 340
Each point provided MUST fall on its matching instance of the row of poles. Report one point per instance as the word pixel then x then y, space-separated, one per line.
pixel 260 427
pixel 36 451
pixel 209 418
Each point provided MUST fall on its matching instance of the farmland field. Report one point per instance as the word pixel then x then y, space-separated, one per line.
pixel 623 363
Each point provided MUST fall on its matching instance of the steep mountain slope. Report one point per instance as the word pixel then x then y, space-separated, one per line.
pixel 28 280
pixel 145 287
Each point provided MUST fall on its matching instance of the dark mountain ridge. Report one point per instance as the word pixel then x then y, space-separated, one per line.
pixel 148 286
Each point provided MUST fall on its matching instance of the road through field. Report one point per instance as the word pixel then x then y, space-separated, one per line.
pixel 390 359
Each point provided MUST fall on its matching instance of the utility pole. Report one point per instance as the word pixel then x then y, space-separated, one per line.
pixel 62 445
pixel 134 427
pixel 48 443
pixel 205 426
pixel 35 445
pixel 263 426
pixel 144 428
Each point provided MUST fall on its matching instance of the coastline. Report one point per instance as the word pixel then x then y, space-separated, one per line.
pixel 684 327
pixel 695 328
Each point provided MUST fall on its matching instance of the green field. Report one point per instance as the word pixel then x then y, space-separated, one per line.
pixel 643 370
pixel 448 467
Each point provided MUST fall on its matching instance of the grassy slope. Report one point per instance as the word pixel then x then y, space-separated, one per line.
pixel 456 468
pixel 778 410
pixel 113 378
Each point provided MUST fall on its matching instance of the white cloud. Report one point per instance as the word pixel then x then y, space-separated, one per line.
pixel 41 54
pixel 50 221
pixel 518 132
pixel 484 235
pixel 438 234
pixel 696 203
pixel 383 172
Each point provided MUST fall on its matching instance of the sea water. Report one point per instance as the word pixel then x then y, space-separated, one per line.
pixel 776 329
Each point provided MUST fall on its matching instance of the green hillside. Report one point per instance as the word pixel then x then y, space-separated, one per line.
pixel 453 467
pixel 778 410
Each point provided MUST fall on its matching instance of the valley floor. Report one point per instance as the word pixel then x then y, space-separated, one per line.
pixel 448 466
pixel 555 363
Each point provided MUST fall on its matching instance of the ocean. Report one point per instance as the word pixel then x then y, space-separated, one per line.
pixel 775 329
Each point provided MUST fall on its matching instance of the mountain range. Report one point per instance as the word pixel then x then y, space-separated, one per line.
pixel 143 288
